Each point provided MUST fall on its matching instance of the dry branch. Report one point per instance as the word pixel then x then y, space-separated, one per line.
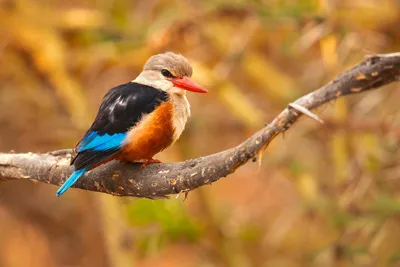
pixel 160 180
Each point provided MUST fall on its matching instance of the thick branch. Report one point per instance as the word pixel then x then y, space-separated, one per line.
pixel 160 180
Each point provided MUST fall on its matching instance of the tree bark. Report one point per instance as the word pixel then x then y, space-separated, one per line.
pixel 161 180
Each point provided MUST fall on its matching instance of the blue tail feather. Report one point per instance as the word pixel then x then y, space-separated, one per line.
pixel 70 181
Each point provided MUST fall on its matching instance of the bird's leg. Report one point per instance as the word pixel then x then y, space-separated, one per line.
pixel 148 161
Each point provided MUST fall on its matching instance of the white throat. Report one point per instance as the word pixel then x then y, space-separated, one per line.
pixel 181 113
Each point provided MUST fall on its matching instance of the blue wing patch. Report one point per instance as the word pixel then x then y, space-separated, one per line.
pixel 103 142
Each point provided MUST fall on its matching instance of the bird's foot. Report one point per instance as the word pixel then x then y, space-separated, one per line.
pixel 148 161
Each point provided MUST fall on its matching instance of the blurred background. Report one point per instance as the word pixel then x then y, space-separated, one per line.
pixel 326 195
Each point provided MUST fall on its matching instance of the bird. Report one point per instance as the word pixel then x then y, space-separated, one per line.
pixel 138 119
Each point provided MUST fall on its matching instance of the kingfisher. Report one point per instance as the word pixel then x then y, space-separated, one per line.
pixel 138 119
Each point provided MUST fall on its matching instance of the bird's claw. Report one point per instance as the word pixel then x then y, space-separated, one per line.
pixel 148 161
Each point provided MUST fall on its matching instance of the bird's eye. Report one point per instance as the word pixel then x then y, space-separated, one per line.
pixel 166 73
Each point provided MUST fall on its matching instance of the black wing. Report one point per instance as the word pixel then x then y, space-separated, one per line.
pixel 122 108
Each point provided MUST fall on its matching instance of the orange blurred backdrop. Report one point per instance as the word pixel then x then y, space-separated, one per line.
pixel 325 195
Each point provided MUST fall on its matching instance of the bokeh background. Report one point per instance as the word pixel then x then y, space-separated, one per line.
pixel 325 195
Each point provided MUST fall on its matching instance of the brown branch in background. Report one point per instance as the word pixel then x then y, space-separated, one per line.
pixel 160 180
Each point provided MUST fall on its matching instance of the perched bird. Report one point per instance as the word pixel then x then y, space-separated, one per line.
pixel 138 119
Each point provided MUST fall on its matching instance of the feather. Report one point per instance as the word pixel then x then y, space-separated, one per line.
pixel 70 181
pixel 123 107
pixel 101 142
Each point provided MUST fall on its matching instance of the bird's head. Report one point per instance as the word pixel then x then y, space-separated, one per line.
pixel 169 72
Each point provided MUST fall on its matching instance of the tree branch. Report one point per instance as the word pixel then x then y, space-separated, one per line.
pixel 160 180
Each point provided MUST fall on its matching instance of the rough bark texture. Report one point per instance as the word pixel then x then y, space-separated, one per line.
pixel 160 180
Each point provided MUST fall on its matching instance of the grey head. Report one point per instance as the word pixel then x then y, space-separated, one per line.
pixel 169 72
pixel 176 64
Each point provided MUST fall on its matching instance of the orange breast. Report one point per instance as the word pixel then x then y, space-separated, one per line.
pixel 151 135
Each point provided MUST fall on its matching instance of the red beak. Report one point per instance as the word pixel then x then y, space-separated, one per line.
pixel 187 84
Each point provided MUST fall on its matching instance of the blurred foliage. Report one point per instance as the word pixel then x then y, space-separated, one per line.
pixel 325 195
pixel 170 216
